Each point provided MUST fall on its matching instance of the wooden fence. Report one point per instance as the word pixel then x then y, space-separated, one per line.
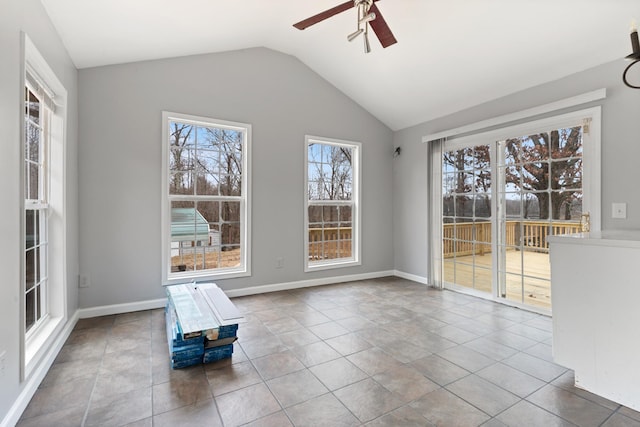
pixel 329 243
pixel 458 239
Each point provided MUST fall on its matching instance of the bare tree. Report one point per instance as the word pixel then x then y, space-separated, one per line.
pixel 551 169
pixel 207 161
pixel 330 178
pixel 180 135
pixel 470 180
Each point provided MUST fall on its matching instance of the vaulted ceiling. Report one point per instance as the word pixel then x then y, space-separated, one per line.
pixel 450 55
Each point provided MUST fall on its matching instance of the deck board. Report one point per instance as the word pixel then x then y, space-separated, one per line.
pixel 534 288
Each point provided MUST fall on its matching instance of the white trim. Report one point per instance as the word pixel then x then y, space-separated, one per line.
pixel 592 169
pixel 34 380
pixel 356 202
pixel 244 199
pixel 591 151
pixel 595 95
pixel 523 128
pixel 107 310
pixel 412 277
pixel 305 284
pixel 34 351
pixel 591 187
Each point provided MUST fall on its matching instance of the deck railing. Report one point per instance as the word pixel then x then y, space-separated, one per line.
pixel 458 239
pixel 329 243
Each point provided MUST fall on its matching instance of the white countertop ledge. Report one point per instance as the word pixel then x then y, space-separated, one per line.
pixel 618 238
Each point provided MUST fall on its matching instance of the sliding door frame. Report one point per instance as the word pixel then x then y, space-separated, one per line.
pixel 589 118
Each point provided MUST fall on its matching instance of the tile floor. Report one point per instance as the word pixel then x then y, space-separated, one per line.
pixel 384 352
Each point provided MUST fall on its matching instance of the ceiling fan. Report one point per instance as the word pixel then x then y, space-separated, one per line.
pixel 368 14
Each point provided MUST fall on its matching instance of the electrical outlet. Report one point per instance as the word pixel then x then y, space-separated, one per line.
pixel 3 357
pixel 619 210
pixel 279 262
pixel 84 281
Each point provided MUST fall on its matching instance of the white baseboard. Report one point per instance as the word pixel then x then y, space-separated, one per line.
pixel 128 307
pixel 39 373
pixel 304 284
pixel 106 310
pixel 411 277
pixel 33 382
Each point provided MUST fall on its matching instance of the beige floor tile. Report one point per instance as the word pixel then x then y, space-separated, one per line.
pixel 279 419
pixel 406 382
pixel 569 406
pixel 120 409
pixel 316 353
pixel 277 364
pixel 383 351
pixel 443 408
pixel 64 396
pixel 324 410
pixel 296 387
pixel 232 377
pixel 338 373
pixel 374 361
pixel 367 399
pixel 201 413
pixel 246 405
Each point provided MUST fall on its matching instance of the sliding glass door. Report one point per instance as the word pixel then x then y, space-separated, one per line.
pixel 467 241
pixel 540 195
pixel 503 193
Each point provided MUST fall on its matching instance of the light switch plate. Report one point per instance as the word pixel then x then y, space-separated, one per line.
pixel 619 210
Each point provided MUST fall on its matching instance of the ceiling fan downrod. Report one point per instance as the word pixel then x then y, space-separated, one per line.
pixel 364 17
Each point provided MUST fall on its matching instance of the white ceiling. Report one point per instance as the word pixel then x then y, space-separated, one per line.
pixel 450 55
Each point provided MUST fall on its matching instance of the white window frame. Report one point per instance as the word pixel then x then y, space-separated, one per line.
pixel 36 343
pixel 355 202
pixel 244 269
pixel 591 185
pixel 39 205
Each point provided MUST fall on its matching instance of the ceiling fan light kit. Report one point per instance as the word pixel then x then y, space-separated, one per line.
pixel 368 16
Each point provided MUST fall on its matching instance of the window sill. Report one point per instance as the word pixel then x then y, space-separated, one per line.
pixel 39 342
pixel 176 278
pixel 331 265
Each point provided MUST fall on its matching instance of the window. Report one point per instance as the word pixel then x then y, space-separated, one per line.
pixel 205 198
pixel 332 214
pixel 43 223
pixel 36 206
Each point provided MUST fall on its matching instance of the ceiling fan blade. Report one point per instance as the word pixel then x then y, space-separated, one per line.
pixel 324 15
pixel 380 27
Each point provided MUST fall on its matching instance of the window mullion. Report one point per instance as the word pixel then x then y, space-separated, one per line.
pixel 331 200
pixel 205 213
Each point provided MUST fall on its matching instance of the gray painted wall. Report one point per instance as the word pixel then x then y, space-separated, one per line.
pixel 120 164
pixel 30 17
pixel 115 221
pixel 620 154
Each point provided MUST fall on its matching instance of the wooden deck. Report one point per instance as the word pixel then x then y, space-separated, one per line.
pixel 533 289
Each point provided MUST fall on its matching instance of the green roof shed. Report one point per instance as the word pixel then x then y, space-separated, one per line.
pixel 187 224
